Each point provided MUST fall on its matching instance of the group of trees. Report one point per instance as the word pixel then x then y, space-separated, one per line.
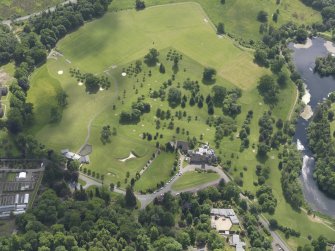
pixel 325 66
pixel 52 26
pixel 327 9
pixel 268 88
pixel 94 83
pixel 290 166
pixel 322 145
pixel 266 200
pixel 90 221
pixel 134 116
pixel 245 131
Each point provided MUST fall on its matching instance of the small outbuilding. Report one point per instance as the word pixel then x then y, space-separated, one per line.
pixel 22 175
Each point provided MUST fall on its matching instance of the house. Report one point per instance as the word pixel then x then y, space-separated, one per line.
pixel 202 155
pixel 26 198
pixel 236 241
pixel 182 145
pixel 74 156
pixel 227 213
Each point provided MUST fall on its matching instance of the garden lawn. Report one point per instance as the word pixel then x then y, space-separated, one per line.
pixel 159 171
pixel 240 16
pixel 193 179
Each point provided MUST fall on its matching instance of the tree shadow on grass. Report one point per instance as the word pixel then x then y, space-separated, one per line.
pixel 262 158
pixel 208 82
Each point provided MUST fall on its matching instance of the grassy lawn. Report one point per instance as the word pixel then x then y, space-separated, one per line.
pixel 82 182
pixel 159 170
pixel 240 16
pixel 193 179
pixel 9 8
pixel 7 227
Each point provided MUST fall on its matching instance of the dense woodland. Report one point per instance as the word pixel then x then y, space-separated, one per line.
pixel 322 144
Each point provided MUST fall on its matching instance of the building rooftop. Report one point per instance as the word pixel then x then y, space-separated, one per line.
pixel 22 175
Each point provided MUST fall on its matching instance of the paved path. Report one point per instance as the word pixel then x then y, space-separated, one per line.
pixel 294 105
pixel 277 240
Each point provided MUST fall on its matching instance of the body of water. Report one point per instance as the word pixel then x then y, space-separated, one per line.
pixel 319 88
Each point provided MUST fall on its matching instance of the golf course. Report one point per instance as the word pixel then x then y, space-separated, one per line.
pixel 115 47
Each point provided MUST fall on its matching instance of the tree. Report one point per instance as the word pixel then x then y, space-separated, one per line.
pixel 301 36
pixel 151 59
pixel 130 199
pixel 261 57
pixel 220 29
pixel 277 64
pixel 55 114
pixel 174 97
pixel 320 244
pixel 268 89
pixel 14 120
pixel 162 68
pixel 263 149
pixel 275 17
pixel 282 79
pixel 139 5
pixel 262 16
pixel 105 134
pixel 219 94
pixel 208 75
pixel 92 83
pixel 62 99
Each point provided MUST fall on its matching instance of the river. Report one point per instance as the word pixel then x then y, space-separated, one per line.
pixel 318 88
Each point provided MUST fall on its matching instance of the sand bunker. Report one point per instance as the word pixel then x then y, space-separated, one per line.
pixel 123 74
pixel 60 72
pixel 80 83
pixel 307 45
pixel 205 20
pixel 131 156
pixel 330 47
pixel 101 89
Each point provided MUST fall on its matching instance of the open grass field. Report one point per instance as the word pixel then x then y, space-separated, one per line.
pixel 159 170
pixel 240 16
pixel 193 179
pixel 10 8
pixel 111 45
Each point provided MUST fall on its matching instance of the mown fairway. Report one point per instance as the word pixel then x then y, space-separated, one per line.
pixel 240 16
